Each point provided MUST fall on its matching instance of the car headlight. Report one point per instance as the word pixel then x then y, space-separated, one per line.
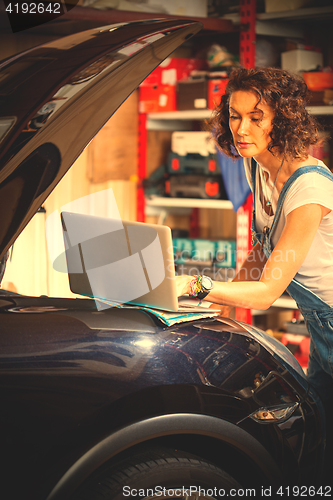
pixel 274 414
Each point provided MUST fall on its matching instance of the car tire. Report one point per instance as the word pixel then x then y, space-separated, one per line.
pixel 160 474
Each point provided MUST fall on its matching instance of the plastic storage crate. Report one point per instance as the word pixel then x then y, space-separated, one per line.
pixel 184 143
pixel 196 186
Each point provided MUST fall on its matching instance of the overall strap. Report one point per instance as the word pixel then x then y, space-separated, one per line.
pixel 253 181
pixel 253 174
pixel 255 236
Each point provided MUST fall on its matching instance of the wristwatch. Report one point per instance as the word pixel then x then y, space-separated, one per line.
pixel 207 286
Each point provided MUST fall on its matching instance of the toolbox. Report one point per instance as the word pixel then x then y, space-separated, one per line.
pixel 193 163
pixel 196 186
pixel 155 184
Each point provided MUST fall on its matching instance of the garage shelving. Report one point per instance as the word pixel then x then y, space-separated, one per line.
pixel 251 24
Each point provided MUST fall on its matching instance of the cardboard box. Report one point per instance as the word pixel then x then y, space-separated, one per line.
pixel 157 98
pixel 201 93
pixel 158 90
pixel 281 5
pixel 197 8
pixel 301 60
pixel 328 97
pixel 174 69
pixel 192 94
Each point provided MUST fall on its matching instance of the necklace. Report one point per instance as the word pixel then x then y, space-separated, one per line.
pixel 264 184
pixel 266 228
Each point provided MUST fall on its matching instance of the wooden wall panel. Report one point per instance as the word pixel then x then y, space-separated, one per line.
pixel 217 224
pixel 158 147
pixel 113 151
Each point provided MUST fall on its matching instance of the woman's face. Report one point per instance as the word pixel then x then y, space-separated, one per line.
pixel 250 123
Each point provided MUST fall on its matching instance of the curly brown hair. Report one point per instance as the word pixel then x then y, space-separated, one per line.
pixel 293 131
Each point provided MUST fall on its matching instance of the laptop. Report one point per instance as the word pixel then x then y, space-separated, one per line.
pixel 122 262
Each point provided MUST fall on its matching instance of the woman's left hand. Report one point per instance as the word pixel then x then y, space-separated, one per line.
pixel 183 284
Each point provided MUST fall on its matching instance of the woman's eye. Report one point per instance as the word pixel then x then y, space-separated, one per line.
pixel 232 117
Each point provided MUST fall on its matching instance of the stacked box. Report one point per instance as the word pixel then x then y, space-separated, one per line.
pixel 194 176
pixel 201 93
pixel 157 93
pixel 172 70
pixel 301 60
pixel 157 98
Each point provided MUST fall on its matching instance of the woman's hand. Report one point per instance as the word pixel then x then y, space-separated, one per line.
pixel 183 288
pixel 183 284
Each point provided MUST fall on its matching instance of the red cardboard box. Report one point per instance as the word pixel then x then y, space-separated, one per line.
pixel 158 90
pixel 172 70
pixel 157 98
pixel 216 88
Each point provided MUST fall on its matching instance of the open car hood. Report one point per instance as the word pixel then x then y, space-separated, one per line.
pixel 56 97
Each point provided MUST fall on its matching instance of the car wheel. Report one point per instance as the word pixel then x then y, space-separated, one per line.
pixel 161 474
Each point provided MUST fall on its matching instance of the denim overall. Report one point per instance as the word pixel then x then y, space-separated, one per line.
pixel 318 315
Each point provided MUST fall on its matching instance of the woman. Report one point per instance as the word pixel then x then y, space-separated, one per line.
pixel 262 117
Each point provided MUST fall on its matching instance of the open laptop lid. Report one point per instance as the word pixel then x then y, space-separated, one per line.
pixel 120 261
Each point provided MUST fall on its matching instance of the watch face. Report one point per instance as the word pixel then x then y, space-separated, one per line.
pixel 207 283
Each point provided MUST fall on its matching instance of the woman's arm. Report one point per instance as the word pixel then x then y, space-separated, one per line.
pixel 284 262
pixel 250 270
pixel 253 265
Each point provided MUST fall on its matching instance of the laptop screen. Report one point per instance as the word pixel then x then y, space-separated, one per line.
pixel 120 261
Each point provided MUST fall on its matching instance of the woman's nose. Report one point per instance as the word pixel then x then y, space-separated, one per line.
pixel 243 127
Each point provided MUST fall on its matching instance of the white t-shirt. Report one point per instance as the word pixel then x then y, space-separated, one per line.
pixel 316 272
